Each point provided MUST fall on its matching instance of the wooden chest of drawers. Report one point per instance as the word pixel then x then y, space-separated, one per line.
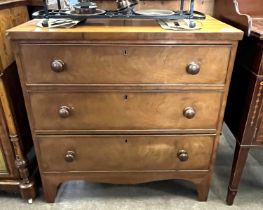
pixel 127 102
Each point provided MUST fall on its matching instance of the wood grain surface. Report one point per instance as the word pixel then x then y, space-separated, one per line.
pixel 125 153
pixel 243 14
pixel 129 98
pixel 125 111
pixel 126 30
pixel 104 64
pixel 9 18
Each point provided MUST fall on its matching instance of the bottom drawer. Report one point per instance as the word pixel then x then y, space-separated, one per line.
pixel 125 153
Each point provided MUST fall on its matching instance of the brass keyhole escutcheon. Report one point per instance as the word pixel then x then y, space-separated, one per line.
pixel 125 52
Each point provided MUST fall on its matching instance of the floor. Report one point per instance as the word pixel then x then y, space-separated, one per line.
pixel 158 195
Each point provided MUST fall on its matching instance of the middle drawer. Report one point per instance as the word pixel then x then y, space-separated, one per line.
pixel 125 111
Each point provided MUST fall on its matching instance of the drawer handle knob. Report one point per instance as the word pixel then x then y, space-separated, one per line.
pixel 189 112
pixel 70 156
pixel 57 65
pixel 193 68
pixel 64 111
pixel 182 155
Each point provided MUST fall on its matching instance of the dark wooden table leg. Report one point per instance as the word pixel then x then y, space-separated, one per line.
pixel 239 161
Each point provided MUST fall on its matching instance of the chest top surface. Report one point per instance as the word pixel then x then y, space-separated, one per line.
pixel 93 30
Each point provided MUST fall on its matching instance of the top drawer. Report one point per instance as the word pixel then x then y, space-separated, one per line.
pixel 106 64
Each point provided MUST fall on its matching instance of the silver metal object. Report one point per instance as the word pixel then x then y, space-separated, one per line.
pixel 97 12
pixel 85 7
pixel 57 65
pixel 189 112
pixel 154 12
pixel 124 4
pixel 182 155
pixel 70 156
pixel 64 111
pixel 193 68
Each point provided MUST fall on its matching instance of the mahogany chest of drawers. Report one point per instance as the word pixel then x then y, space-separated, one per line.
pixel 125 102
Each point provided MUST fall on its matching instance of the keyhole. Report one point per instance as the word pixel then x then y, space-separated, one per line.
pixel 125 52
pixel 126 140
pixel 126 97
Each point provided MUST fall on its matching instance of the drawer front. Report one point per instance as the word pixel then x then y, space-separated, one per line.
pixel 84 64
pixel 123 153
pixel 125 111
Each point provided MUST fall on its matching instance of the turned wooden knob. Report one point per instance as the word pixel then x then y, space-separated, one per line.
pixel 193 68
pixel 189 112
pixel 64 111
pixel 182 155
pixel 57 65
pixel 70 156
